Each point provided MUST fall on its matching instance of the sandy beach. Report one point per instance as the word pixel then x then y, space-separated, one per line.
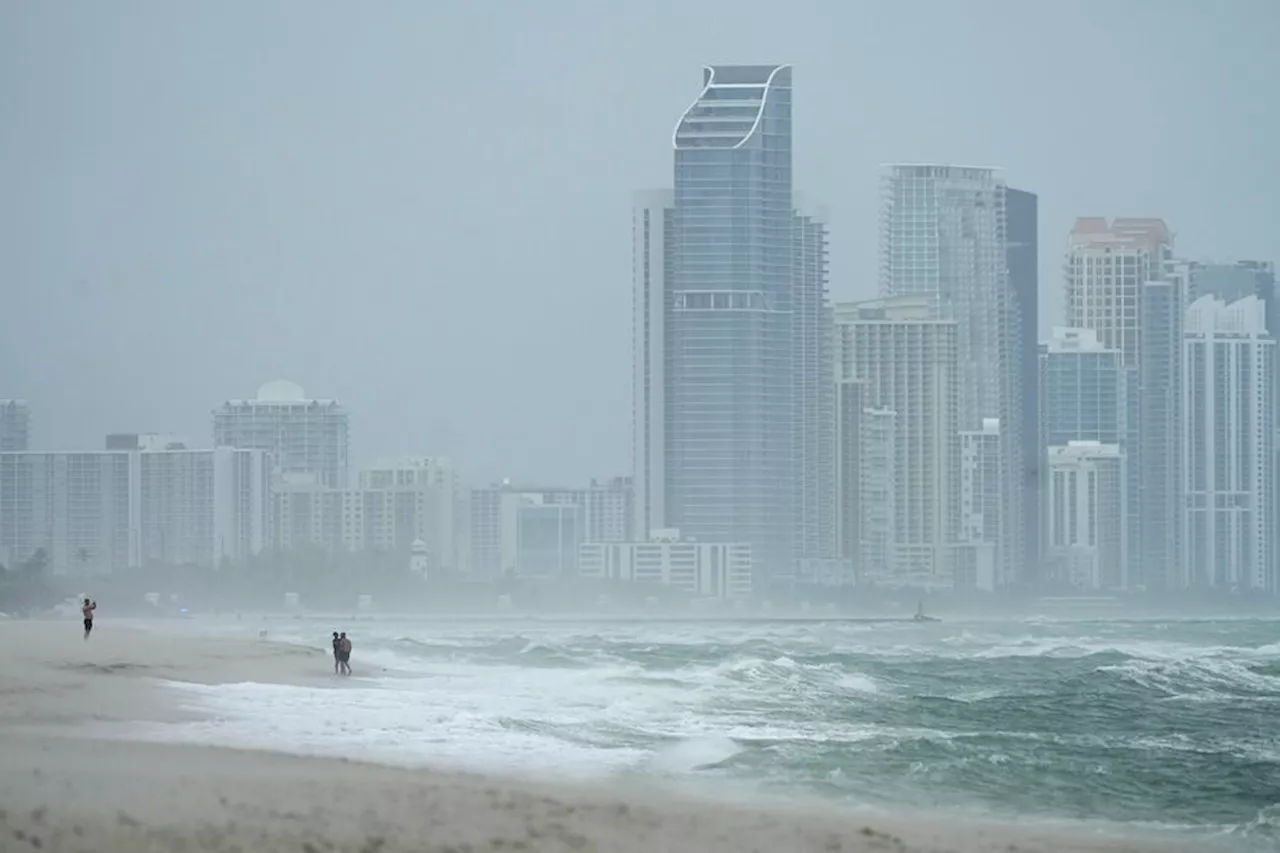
pixel 62 790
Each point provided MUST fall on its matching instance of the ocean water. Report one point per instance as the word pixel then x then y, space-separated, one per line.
pixel 1169 726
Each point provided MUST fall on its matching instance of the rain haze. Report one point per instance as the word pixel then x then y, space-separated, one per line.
pixel 423 209
pixel 692 427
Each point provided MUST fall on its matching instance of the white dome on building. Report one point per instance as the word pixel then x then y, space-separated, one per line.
pixel 281 391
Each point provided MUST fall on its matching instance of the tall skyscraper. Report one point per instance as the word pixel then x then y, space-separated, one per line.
pixel 904 356
pixel 944 233
pixel 302 435
pixel 1084 390
pixel 1159 445
pixel 1023 261
pixel 1109 266
pixel 15 426
pixel 814 389
pixel 1228 412
pixel 1233 281
pixel 652 220
pixel 734 426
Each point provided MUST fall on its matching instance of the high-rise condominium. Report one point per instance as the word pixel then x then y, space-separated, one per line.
pixel 302 435
pixel 1228 359
pixel 1115 274
pixel 1022 229
pixel 944 233
pixel 733 394
pixel 1233 281
pixel 1083 398
pixel 903 355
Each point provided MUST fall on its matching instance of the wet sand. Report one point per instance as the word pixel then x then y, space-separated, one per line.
pixel 62 790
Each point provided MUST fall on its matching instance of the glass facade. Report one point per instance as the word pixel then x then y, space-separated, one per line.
pixel 730 397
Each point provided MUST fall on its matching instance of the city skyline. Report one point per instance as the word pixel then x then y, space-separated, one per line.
pixel 331 232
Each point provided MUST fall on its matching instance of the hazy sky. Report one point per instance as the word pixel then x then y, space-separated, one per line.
pixel 422 208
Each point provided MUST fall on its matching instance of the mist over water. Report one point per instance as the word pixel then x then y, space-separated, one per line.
pixel 1170 724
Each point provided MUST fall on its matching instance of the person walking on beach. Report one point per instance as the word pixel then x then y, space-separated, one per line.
pixel 344 653
pixel 337 654
pixel 87 609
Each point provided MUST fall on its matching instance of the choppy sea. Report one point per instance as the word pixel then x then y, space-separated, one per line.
pixel 1166 726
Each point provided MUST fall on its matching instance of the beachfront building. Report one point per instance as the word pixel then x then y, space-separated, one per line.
pixel 1084 501
pixel 1112 276
pixel 1084 396
pixel 733 398
pixel 1228 360
pixel 110 510
pixel 15 426
pixel 302 435
pixel 866 484
pixel 1159 447
pixel 1022 253
pixel 976 567
pixel 394 504
pixel 705 569
pixel 904 356
pixel 606 513
pixel 944 234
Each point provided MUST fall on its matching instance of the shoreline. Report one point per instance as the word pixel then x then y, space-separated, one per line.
pixel 126 795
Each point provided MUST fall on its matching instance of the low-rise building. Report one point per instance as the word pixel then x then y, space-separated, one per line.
pixel 708 569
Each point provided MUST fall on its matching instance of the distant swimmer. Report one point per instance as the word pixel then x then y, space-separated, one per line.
pixel 344 653
pixel 337 653
pixel 87 609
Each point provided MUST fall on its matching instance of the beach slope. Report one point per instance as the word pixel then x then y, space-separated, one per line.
pixel 63 791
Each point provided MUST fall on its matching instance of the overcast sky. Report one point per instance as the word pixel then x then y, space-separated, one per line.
pixel 422 208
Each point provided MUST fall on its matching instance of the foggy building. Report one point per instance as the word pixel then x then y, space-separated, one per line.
pixel 104 511
pixel 15 426
pixel 1083 389
pixel 1159 445
pixel 143 441
pixel 1085 509
pixel 606 513
pixel 1230 282
pixel 302 435
pixel 1022 229
pixel 1106 266
pixel 705 569
pixel 395 503
pixel 904 355
pixel 980 507
pixel 421 494
pixel 733 396
pixel 943 232
pixel 541 539
pixel 866 484
pixel 652 266
pixel 1084 396
pixel 813 389
pixel 202 507
pixel 1228 359
pixel 1107 271
pixel 730 389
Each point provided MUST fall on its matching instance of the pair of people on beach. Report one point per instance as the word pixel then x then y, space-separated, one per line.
pixel 341 654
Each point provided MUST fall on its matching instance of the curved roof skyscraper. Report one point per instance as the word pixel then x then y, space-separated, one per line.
pixel 721 347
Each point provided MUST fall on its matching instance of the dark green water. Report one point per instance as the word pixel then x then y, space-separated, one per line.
pixel 1170 726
